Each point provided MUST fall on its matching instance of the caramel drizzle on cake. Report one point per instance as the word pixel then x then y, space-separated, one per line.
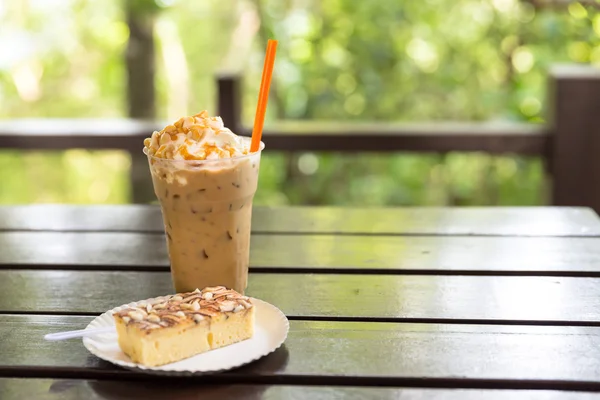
pixel 193 306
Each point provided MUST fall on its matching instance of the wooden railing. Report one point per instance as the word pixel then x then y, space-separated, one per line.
pixel 569 142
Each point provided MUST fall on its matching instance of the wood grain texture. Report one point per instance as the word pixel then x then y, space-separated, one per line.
pixel 481 299
pixel 332 353
pixel 507 221
pixel 317 253
pixel 76 389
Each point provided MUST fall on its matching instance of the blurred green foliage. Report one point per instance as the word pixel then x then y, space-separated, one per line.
pixel 383 60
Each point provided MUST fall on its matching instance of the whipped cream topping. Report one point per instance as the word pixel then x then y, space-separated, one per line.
pixel 197 137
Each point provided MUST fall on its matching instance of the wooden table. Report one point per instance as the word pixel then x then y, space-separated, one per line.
pixel 420 303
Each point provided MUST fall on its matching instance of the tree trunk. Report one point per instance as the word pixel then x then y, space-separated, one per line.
pixel 141 103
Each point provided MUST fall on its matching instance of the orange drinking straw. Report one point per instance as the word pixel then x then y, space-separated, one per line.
pixel 263 95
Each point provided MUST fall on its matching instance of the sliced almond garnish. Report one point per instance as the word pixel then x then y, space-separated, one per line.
pixel 136 315
pixel 246 304
pixel 211 289
pixel 227 306
pixel 238 308
pixel 153 318
pixel 198 318
pixel 195 306
pixel 190 298
pixel 220 296
pixel 171 318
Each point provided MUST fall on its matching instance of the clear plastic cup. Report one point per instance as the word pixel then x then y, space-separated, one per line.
pixel 207 212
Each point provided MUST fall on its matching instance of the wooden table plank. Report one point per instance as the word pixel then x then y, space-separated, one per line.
pixel 317 253
pixel 75 389
pixel 453 299
pixel 502 221
pixel 333 353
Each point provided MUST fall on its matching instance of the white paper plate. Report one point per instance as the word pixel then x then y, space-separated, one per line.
pixel 270 331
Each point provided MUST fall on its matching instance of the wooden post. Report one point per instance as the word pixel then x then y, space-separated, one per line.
pixel 229 101
pixel 574 154
pixel 140 66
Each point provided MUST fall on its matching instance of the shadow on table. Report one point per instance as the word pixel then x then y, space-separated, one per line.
pixel 111 390
pixel 217 386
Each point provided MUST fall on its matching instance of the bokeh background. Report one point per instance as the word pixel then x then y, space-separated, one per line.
pixel 338 60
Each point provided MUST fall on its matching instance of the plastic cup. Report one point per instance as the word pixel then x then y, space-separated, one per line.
pixel 207 213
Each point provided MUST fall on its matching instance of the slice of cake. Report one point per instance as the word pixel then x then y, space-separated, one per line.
pixel 184 324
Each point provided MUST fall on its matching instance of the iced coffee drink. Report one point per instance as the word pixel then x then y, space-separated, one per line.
pixel 205 178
